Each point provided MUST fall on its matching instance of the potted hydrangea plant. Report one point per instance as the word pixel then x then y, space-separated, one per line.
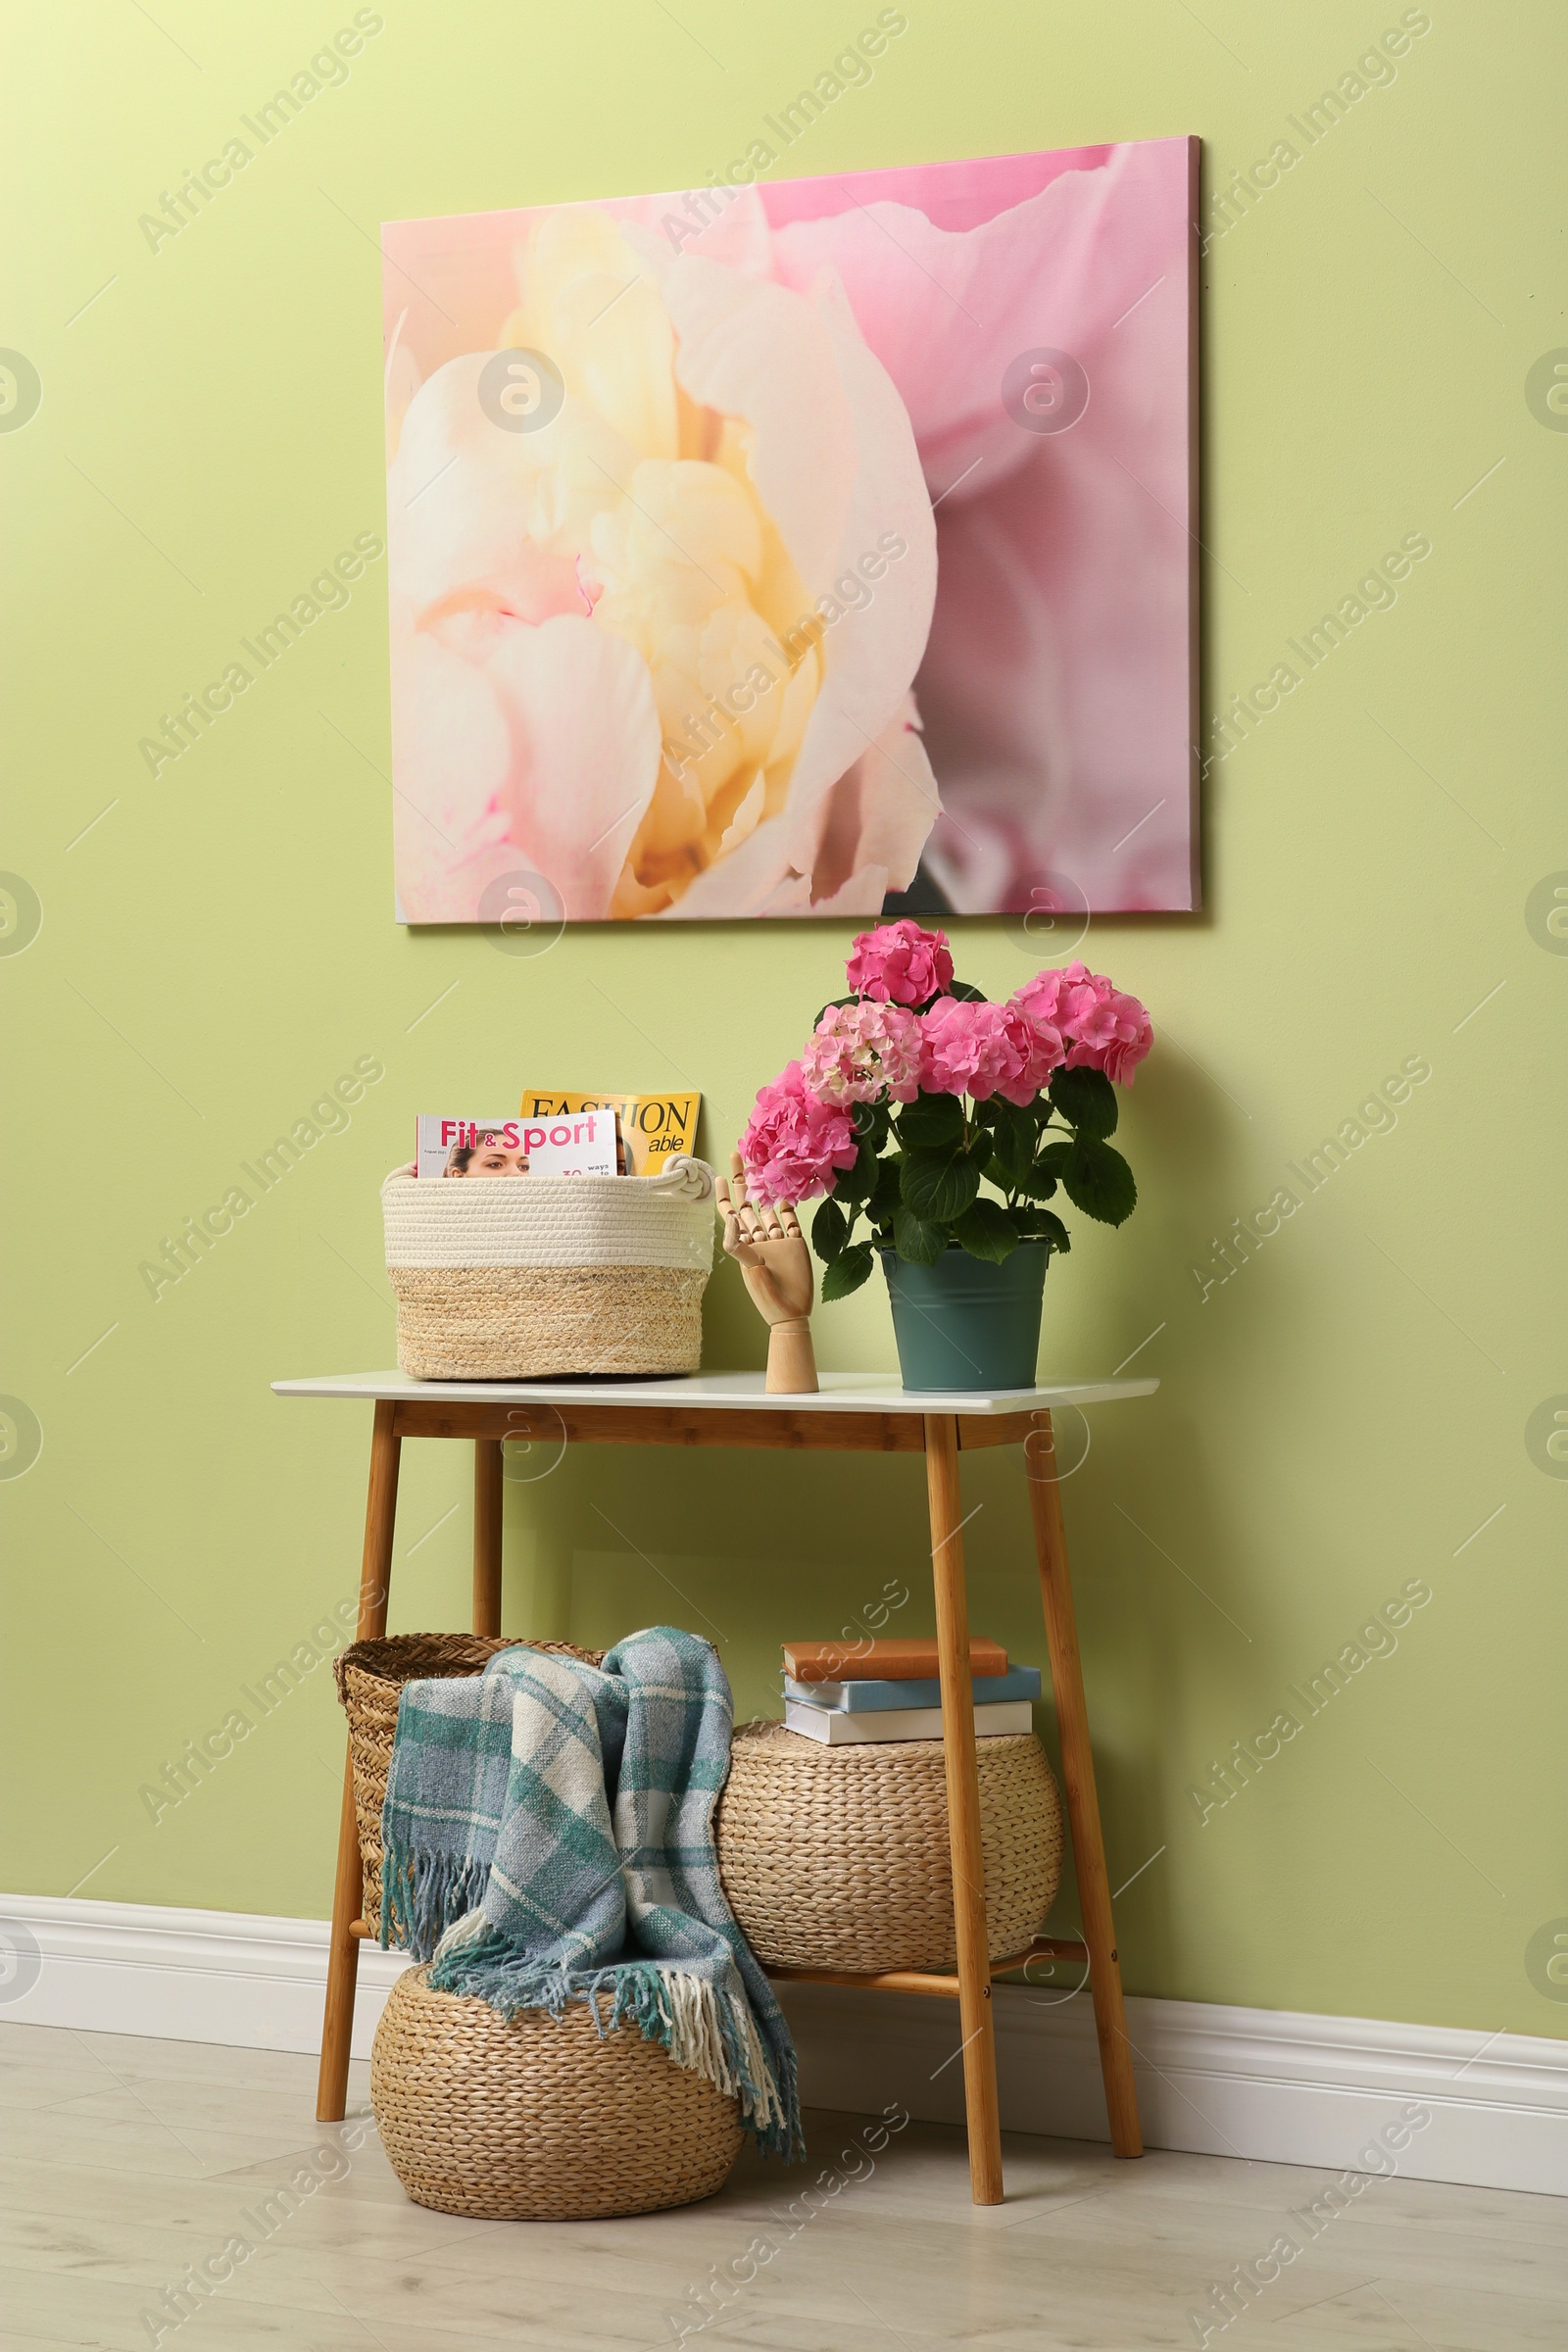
pixel 940 1127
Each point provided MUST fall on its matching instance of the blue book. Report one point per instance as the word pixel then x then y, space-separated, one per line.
pixel 871 1698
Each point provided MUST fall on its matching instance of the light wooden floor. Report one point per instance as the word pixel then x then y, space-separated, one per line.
pixel 126 2161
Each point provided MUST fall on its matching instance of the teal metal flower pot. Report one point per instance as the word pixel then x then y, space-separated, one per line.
pixel 964 1323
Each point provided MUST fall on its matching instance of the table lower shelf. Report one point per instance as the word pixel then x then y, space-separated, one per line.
pixel 899 1980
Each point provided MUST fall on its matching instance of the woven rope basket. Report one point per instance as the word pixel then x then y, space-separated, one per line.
pixel 371 1676
pixel 837 1857
pixel 534 2117
pixel 538 1277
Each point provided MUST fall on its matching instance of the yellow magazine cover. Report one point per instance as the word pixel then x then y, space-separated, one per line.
pixel 652 1127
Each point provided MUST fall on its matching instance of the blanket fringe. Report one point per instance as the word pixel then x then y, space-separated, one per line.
pixel 422 1893
pixel 711 2032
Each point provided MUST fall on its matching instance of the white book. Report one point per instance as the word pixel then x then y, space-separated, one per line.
pixel 835 1728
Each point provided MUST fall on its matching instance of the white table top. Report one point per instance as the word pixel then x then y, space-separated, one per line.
pixel 840 1393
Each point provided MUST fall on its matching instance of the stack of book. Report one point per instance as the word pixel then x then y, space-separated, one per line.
pixel 847 1692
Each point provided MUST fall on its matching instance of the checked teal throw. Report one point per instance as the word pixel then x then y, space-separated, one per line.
pixel 548 1837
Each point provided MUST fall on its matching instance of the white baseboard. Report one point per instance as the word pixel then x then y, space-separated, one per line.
pixel 237 1977
pixel 1274 2084
pixel 1271 2084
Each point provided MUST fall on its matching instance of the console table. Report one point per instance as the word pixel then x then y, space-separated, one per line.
pixel 858 1413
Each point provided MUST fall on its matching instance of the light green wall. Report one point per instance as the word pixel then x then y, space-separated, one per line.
pixel 219 947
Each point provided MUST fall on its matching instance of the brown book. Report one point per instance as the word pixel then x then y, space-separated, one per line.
pixel 858 1660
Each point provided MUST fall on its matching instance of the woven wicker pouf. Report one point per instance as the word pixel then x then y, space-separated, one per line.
pixel 371 1676
pixel 535 2119
pixel 837 1857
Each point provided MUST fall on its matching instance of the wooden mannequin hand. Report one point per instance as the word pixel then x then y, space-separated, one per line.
pixel 770 1249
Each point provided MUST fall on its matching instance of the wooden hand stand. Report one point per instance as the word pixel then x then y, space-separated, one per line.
pixel 770 1249
pixel 854 1415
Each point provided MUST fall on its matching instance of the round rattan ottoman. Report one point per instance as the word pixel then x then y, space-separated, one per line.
pixel 837 1857
pixel 535 2119
pixel 371 1676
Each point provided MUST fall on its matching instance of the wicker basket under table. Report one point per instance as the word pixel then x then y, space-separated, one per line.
pixel 371 1676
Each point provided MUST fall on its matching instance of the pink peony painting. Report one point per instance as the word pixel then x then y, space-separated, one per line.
pixel 819 548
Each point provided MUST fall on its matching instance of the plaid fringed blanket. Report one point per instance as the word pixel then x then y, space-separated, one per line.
pixel 548 1837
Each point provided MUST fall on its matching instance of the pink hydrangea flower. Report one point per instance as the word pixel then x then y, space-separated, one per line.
pixel 898 963
pixel 1105 1028
pixel 1049 997
pixel 985 1050
pixel 795 1144
pixel 863 1052
pixel 1114 1037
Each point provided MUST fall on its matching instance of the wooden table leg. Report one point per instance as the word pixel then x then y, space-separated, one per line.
pixel 488 1492
pixel 1083 1804
pixel 963 1811
pixel 343 1950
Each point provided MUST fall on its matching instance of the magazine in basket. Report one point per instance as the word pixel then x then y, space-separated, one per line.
pixel 583 1145
pixel 652 1127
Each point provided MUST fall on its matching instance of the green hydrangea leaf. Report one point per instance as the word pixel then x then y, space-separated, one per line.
pixel 931 1121
pixel 830 1230
pixel 1087 1101
pixel 918 1238
pixel 939 1184
pixel 847 1273
pixel 986 1230
pixel 1098 1179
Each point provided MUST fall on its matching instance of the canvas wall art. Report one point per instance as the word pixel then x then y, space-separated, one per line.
pixel 797 549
